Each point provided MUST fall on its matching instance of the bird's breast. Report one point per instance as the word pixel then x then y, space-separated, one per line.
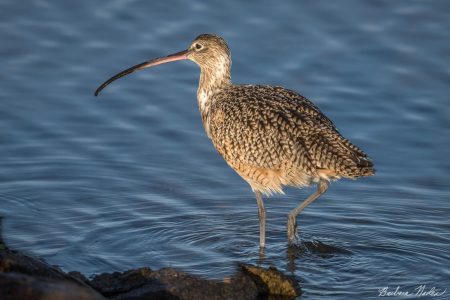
pixel 202 98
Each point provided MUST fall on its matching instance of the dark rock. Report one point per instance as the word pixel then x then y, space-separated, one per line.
pixel 13 261
pixel 79 277
pixel 250 282
pixel 15 286
pixel 110 284
pixel 171 284
pixel 272 282
pixel 26 277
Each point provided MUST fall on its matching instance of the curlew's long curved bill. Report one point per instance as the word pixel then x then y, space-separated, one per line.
pixel 151 63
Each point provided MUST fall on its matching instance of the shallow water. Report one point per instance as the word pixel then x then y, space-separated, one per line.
pixel 130 179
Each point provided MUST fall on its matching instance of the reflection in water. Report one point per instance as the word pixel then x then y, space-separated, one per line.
pixel 262 255
pixel 307 248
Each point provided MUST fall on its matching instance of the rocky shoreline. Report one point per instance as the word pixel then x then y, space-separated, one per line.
pixel 28 278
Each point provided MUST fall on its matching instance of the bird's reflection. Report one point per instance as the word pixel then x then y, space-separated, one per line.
pixel 314 247
pixel 262 255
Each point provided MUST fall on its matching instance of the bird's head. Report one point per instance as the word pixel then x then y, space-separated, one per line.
pixel 209 51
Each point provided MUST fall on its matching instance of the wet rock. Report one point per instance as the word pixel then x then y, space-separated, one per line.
pixel 15 286
pixel 168 283
pixel 250 282
pixel 13 261
pixel 272 282
pixel 26 277
pixel 78 276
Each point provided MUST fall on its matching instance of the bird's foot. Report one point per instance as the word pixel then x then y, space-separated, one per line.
pixel 292 229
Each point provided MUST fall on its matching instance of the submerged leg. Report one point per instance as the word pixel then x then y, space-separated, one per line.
pixel 322 186
pixel 262 219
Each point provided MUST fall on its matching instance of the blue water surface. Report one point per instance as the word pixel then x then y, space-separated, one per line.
pixel 130 179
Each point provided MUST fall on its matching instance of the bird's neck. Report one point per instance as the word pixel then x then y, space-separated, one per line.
pixel 212 80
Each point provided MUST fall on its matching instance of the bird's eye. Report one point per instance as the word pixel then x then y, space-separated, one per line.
pixel 198 46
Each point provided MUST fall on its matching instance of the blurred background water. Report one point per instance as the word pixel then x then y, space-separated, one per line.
pixel 130 179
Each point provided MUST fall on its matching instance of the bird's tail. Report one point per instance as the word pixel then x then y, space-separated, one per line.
pixel 357 162
pixel 335 153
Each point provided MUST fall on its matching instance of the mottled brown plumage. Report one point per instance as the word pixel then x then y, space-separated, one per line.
pixel 271 136
pixel 274 137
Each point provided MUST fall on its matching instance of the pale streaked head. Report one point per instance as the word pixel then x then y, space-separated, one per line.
pixel 209 51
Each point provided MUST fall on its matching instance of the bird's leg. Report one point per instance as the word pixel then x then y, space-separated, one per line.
pixel 262 219
pixel 322 187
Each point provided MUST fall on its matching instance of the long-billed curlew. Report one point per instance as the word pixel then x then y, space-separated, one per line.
pixel 271 136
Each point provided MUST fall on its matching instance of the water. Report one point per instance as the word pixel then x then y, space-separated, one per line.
pixel 130 179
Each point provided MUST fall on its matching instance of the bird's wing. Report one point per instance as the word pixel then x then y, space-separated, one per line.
pixel 266 126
